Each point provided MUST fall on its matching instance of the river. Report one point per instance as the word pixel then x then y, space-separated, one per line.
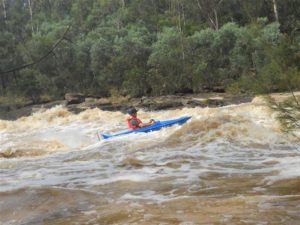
pixel 227 165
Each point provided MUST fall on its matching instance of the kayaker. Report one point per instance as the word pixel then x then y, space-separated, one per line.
pixel 134 122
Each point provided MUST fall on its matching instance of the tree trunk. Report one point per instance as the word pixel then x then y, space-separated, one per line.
pixel 123 3
pixel 216 19
pixel 211 12
pixel 30 12
pixel 3 84
pixel 178 14
pixel 275 10
pixel 4 11
pixel 15 77
pixel 156 17
pixel 183 14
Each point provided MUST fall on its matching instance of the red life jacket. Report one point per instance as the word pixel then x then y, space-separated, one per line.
pixel 130 125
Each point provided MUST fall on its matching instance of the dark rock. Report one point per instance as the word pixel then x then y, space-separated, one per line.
pixel 215 102
pixel 161 105
pixel 194 103
pixel 75 109
pixel 113 107
pixel 218 89
pixel 77 103
pixel 74 98
pixel 15 111
pixel 11 113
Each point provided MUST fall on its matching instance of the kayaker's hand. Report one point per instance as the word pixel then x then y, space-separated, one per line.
pixel 152 121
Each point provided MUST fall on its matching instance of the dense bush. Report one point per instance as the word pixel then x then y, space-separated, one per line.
pixel 139 47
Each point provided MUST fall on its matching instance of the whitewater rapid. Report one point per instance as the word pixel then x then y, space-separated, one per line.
pixel 227 165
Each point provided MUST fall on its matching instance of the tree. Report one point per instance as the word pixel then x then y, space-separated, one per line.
pixel 210 9
pixel 165 46
pixel 4 11
pixel 31 84
pixel 166 75
pixel 209 55
pixel 275 10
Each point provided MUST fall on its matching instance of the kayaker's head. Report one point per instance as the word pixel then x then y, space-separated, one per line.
pixel 132 111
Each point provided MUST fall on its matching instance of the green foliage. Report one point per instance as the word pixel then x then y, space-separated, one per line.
pixel 142 47
pixel 275 64
pixel 210 52
pixel 135 83
pixel 288 112
pixel 30 84
pixel 167 62
pixel 7 50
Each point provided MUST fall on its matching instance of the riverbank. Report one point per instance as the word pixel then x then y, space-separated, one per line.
pixel 77 103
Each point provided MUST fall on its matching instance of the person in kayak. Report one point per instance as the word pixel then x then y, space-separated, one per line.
pixel 133 122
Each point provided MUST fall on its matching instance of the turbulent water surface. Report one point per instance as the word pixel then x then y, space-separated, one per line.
pixel 229 165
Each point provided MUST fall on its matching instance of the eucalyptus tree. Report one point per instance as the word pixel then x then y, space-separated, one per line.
pixel 166 75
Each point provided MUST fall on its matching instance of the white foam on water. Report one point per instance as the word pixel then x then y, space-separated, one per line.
pixel 117 178
pixel 287 167
pixel 236 139
pixel 144 195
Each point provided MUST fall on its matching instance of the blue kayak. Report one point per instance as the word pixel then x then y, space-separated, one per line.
pixel 155 126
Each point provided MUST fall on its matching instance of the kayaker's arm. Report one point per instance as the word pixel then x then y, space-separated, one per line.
pixel 147 124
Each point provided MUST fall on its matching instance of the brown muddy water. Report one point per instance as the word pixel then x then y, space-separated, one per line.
pixel 228 165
